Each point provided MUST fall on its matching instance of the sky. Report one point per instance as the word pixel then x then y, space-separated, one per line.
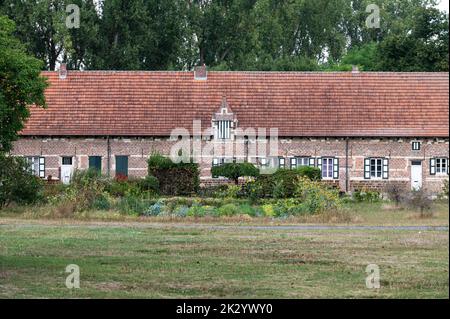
pixel 444 5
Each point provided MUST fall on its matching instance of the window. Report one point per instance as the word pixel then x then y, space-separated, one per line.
pixel 329 167
pixel 95 162
pixel 67 160
pixel 224 129
pixel 263 162
pixel 302 161
pixel 281 162
pixel 416 146
pixel 36 165
pixel 217 162
pixel 439 166
pixel 121 166
pixel 376 168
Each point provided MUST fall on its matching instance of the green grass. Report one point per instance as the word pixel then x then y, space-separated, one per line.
pixel 134 261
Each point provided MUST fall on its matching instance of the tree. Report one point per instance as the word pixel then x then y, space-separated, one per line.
pixel 17 184
pixel 235 170
pixel 20 85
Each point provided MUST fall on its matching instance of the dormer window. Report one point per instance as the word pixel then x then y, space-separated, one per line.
pixel 224 122
pixel 224 129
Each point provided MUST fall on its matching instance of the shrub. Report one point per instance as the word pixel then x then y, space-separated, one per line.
pixel 17 184
pixel 228 210
pixel 196 211
pixel 444 192
pixel 316 197
pixel 155 209
pixel 174 178
pixel 366 196
pixel 229 191
pixel 313 173
pixel 132 205
pixel 246 209
pixel 420 200
pixel 233 171
pixel 268 210
pixel 395 192
pixel 149 184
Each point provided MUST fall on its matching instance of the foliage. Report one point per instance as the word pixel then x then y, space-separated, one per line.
pixel 155 209
pixel 148 184
pixel 444 192
pixel 174 178
pixel 366 196
pixel 229 210
pixel 316 197
pixel 235 170
pixel 420 200
pixel 268 35
pixel 20 85
pixel 395 192
pixel 313 173
pixel 281 184
pixel 17 184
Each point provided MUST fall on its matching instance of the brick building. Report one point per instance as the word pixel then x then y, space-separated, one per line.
pixel 362 129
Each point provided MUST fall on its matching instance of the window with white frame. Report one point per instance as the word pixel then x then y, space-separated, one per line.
pixel 263 162
pixel 329 167
pixel 416 146
pixel 439 166
pixel 223 129
pixel 301 161
pixel 376 168
pixel 281 162
pixel 36 165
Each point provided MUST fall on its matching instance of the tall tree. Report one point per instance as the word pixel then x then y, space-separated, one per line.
pixel 41 26
pixel 20 85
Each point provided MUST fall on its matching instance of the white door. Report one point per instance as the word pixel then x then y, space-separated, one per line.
pixel 66 169
pixel 416 175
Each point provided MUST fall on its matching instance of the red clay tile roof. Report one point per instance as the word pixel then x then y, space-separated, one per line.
pixel 94 103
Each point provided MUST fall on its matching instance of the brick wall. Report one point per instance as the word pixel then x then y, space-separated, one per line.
pixel 398 151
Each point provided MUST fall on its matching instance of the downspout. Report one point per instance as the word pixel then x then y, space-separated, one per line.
pixel 346 165
pixel 108 157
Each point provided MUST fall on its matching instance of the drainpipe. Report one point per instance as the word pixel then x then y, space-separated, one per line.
pixel 108 158
pixel 346 165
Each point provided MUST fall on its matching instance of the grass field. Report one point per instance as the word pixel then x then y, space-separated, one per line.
pixel 131 261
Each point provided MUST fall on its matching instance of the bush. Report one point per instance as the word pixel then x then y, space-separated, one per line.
pixel 233 171
pixel 420 200
pixel 395 192
pixel 155 209
pixel 366 196
pixel 229 210
pixel 444 192
pixel 174 178
pixel 281 184
pixel 17 184
pixel 316 197
pixel 313 173
pixel 149 184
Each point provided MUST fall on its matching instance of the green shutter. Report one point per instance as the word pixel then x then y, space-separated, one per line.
pixel 95 162
pixel 122 166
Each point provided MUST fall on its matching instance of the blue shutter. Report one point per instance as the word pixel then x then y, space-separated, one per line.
pixel 122 166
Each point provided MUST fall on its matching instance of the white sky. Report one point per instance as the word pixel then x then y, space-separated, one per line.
pixel 444 5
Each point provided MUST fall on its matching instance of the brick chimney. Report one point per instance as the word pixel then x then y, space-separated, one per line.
pixel 355 69
pixel 62 71
pixel 200 72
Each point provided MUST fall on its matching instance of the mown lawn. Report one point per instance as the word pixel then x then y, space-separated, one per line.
pixel 134 261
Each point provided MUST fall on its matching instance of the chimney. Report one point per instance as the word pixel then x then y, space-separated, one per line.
pixel 200 72
pixel 62 71
pixel 355 69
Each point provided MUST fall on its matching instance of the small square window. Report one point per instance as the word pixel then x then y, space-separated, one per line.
pixel 66 160
pixel 416 146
